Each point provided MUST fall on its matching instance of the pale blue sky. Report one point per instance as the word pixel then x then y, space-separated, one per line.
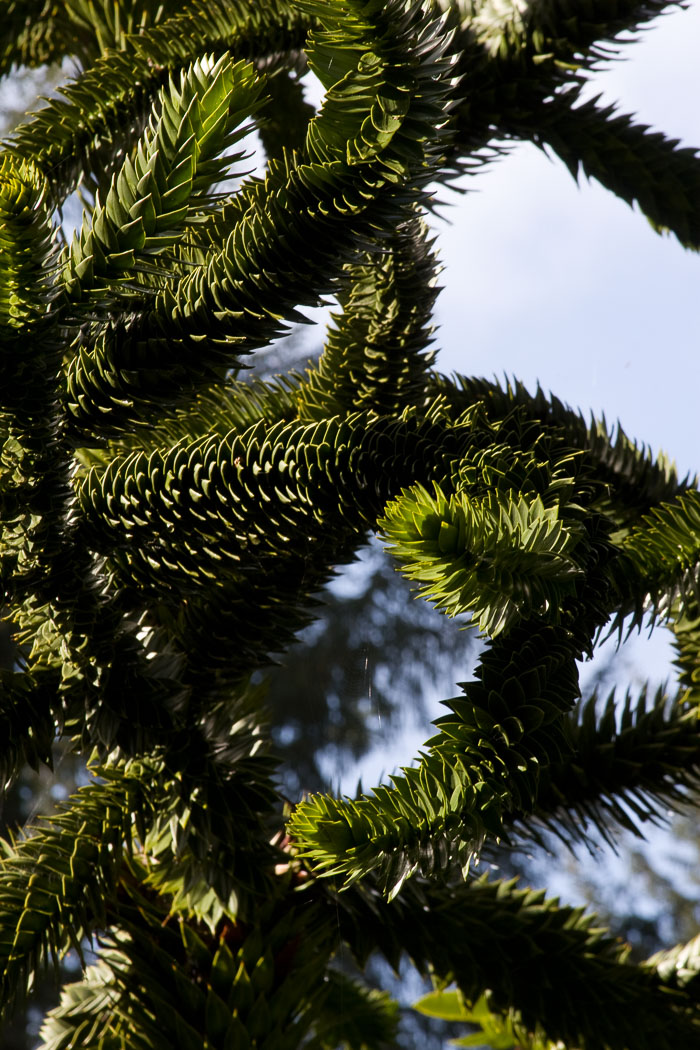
pixel 548 280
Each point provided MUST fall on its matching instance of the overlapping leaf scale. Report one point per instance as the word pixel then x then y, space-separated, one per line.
pixel 501 557
pixel 175 162
pixel 564 31
pixel 657 570
pixel 354 1016
pixel 630 479
pixel 32 34
pixel 233 406
pixel 484 761
pixel 593 998
pixel 375 354
pixel 679 967
pixel 104 110
pixel 303 222
pixel 193 515
pixel 261 32
pixel 223 599
pixel 172 983
pixel 628 764
pixel 53 884
pixel 95 26
pixel 686 630
pixel 27 242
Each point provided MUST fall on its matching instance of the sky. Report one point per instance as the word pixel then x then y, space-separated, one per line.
pixel 548 280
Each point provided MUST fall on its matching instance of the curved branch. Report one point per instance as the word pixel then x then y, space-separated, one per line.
pixel 638 165
pixel 507 941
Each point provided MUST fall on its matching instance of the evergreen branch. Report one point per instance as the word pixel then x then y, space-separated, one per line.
pixel 685 624
pixel 485 761
pixel 217 798
pixel 678 968
pixel 93 27
pixel 630 479
pixel 375 355
pixel 31 35
pixel 209 841
pixel 628 765
pixel 71 638
pixel 206 508
pixel 501 558
pixel 151 198
pixel 374 145
pixel 515 60
pixel 32 473
pixel 79 653
pixel 146 584
pixel 253 32
pixel 34 492
pixel 592 998
pixel 81 134
pixel 638 165
pixel 658 564
pixel 83 1014
pixel 27 241
pixel 105 109
pixel 355 1017
pixel 200 818
pixel 222 409
pixel 557 30
pixel 174 983
pixel 54 884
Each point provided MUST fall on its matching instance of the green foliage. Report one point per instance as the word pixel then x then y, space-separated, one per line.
pixel 149 200
pixel 56 880
pixel 167 525
pixel 500 558
pixel 356 1017
pixel 493 1031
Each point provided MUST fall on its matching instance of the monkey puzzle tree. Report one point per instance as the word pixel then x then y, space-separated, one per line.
pixel 166 523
